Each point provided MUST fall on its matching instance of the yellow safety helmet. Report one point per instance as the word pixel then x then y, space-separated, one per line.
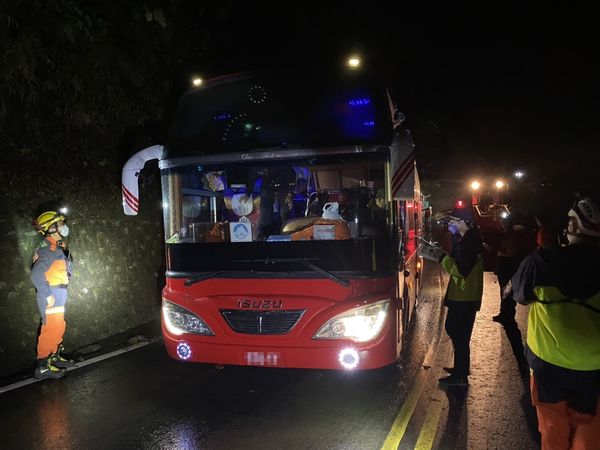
pixel 46 220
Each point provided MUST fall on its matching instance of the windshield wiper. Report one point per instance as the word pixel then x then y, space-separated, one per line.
pixel 197 279
pixel 306 261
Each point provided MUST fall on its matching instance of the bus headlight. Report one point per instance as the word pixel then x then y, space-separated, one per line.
pixel 179 320
pixel 360 324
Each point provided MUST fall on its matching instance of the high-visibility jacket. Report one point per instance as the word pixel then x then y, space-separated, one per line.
pixel 563 332
pixel 465 266
pixel 563 289
pixel 463 288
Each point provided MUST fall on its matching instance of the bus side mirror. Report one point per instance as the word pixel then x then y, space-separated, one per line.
pixel 130 174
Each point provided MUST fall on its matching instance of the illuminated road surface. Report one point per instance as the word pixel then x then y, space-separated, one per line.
pixel 144 400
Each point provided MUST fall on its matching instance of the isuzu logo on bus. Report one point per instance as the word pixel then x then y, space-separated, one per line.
pixel 260 304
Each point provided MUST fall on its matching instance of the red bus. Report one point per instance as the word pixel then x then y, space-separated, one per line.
pixel 291 213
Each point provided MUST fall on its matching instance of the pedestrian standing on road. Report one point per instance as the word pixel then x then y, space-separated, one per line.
pixel 563 336
pixel 544 236
pixel 519 240
pixel 465 289
pixel 50 273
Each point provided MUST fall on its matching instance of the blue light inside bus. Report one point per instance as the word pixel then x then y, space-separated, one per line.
pixel 359 120
pixel 359 101
pixel 222 116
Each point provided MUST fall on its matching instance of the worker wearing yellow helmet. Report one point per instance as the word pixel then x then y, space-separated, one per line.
pixel 50 273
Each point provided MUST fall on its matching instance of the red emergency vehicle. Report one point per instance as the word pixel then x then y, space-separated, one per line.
pixel 291 213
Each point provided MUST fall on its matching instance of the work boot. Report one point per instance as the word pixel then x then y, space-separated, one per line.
pixel 453 380
pixel 44 369
pixel 57 360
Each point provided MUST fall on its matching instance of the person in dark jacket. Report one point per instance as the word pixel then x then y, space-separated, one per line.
pixel 562 287
pixel 465 289
pixel 518 241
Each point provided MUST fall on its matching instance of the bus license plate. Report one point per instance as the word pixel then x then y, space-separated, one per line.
pixel 262 358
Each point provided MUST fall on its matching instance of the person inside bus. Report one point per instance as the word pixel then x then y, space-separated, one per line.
pixel 296 200
pixel 347 200
pixel 316 202
pixel 273 209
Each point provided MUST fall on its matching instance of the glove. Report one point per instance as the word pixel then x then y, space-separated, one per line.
pixel 431 252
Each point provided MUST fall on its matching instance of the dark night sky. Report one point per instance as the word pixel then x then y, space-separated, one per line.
pixel 506 87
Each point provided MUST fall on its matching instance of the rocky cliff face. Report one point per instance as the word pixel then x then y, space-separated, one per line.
pixel 118 260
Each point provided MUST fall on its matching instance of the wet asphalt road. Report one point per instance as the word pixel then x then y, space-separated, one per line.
pixel 145 400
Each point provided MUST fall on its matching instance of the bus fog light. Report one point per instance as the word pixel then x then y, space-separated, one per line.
pixel 184 351
pixel 349 358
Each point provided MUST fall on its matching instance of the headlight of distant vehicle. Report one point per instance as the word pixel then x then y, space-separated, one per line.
pixel 359 324
pixel 179 320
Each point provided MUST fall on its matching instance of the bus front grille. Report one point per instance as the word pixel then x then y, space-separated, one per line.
pixel 262 322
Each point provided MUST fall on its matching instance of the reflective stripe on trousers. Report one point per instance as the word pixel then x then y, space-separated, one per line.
pixel 53 323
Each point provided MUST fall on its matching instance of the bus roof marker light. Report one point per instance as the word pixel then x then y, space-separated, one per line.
pixel 349 358
pixel 184 351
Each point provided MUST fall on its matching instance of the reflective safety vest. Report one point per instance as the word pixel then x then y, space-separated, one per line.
pixel 463 288
pixel 562 332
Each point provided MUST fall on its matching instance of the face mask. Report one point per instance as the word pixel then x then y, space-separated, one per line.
pixel 63 230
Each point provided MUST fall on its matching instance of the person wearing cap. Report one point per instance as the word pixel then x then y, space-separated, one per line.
pixel 465 288
pixel 562 287
pixel 50 272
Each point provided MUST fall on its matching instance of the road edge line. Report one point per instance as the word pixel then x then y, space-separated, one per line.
pixel 79 365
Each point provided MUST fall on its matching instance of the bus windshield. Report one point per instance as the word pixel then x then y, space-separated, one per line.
pixel 320 198
pixel 259 111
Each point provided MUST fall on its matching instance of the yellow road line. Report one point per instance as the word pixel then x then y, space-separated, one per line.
pixel 427 434
pixel 392 441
